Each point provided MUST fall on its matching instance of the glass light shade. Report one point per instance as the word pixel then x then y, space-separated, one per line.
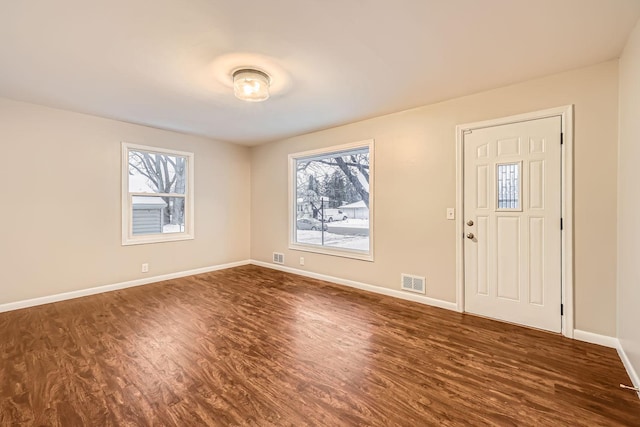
pixel 251 85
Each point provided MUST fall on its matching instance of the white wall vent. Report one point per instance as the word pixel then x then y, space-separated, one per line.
pixel 278 258
pixel 413 283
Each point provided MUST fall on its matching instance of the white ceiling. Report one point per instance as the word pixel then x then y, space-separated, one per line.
pixel 167 63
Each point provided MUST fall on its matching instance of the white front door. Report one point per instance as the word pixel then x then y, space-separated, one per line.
pixel 512 214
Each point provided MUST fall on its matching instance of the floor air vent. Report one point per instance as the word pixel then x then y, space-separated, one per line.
pixel 413 284
pixel 278 258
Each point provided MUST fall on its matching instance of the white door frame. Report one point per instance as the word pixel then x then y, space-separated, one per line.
pixel 566 115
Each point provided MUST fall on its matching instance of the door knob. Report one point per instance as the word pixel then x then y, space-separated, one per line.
pixel 469 223
pixel 470 236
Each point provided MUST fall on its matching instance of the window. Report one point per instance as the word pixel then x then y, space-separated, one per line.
pixel 331 200
pixel 157 195
pixel 509 186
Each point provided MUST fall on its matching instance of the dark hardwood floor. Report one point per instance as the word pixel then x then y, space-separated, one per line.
pixel 254 346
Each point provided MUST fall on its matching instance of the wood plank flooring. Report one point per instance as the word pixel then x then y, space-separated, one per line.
pixel 251 346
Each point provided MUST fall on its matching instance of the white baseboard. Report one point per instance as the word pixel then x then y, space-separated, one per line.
pixel 592 338
pixel 107 288
pixel 363 286
pixel 633 374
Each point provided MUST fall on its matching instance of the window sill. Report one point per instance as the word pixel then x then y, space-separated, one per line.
pixel 156 238
pixel 343 253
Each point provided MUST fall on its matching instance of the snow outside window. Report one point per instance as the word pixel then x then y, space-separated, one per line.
pixel 157 195
pixel 332 200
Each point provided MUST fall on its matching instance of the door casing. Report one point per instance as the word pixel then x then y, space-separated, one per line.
pixel 566 115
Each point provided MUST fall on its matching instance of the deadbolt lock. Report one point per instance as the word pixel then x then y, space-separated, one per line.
pixel 469 223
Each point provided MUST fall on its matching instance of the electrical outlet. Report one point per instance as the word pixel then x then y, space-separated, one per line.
pixel 301 260
pixel 145 268
pixel 451 213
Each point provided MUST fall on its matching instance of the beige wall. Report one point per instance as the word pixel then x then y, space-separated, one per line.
pixel 60 215
pixel 60 224
pixel 629 201
pixel 415 183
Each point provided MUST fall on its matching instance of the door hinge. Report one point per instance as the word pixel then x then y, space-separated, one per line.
pixel 561 309
pixel 561 224
pixel 561 138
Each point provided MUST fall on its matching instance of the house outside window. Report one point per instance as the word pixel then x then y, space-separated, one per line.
pixel 331 201
pixel 157 195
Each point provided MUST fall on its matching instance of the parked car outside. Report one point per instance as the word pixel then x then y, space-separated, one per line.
pixel 310 224
pixel 331 215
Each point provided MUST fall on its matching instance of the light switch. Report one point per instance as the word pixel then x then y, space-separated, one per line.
pixel 451 213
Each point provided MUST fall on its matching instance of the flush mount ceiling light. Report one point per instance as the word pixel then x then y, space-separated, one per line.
pixel 251 85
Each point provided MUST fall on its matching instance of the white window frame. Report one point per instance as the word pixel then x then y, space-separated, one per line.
pixel 293 205
pixel 127 207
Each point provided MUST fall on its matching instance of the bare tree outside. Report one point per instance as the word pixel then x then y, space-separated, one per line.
pixel 344 176
pixel 332 199
pixel 165 174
